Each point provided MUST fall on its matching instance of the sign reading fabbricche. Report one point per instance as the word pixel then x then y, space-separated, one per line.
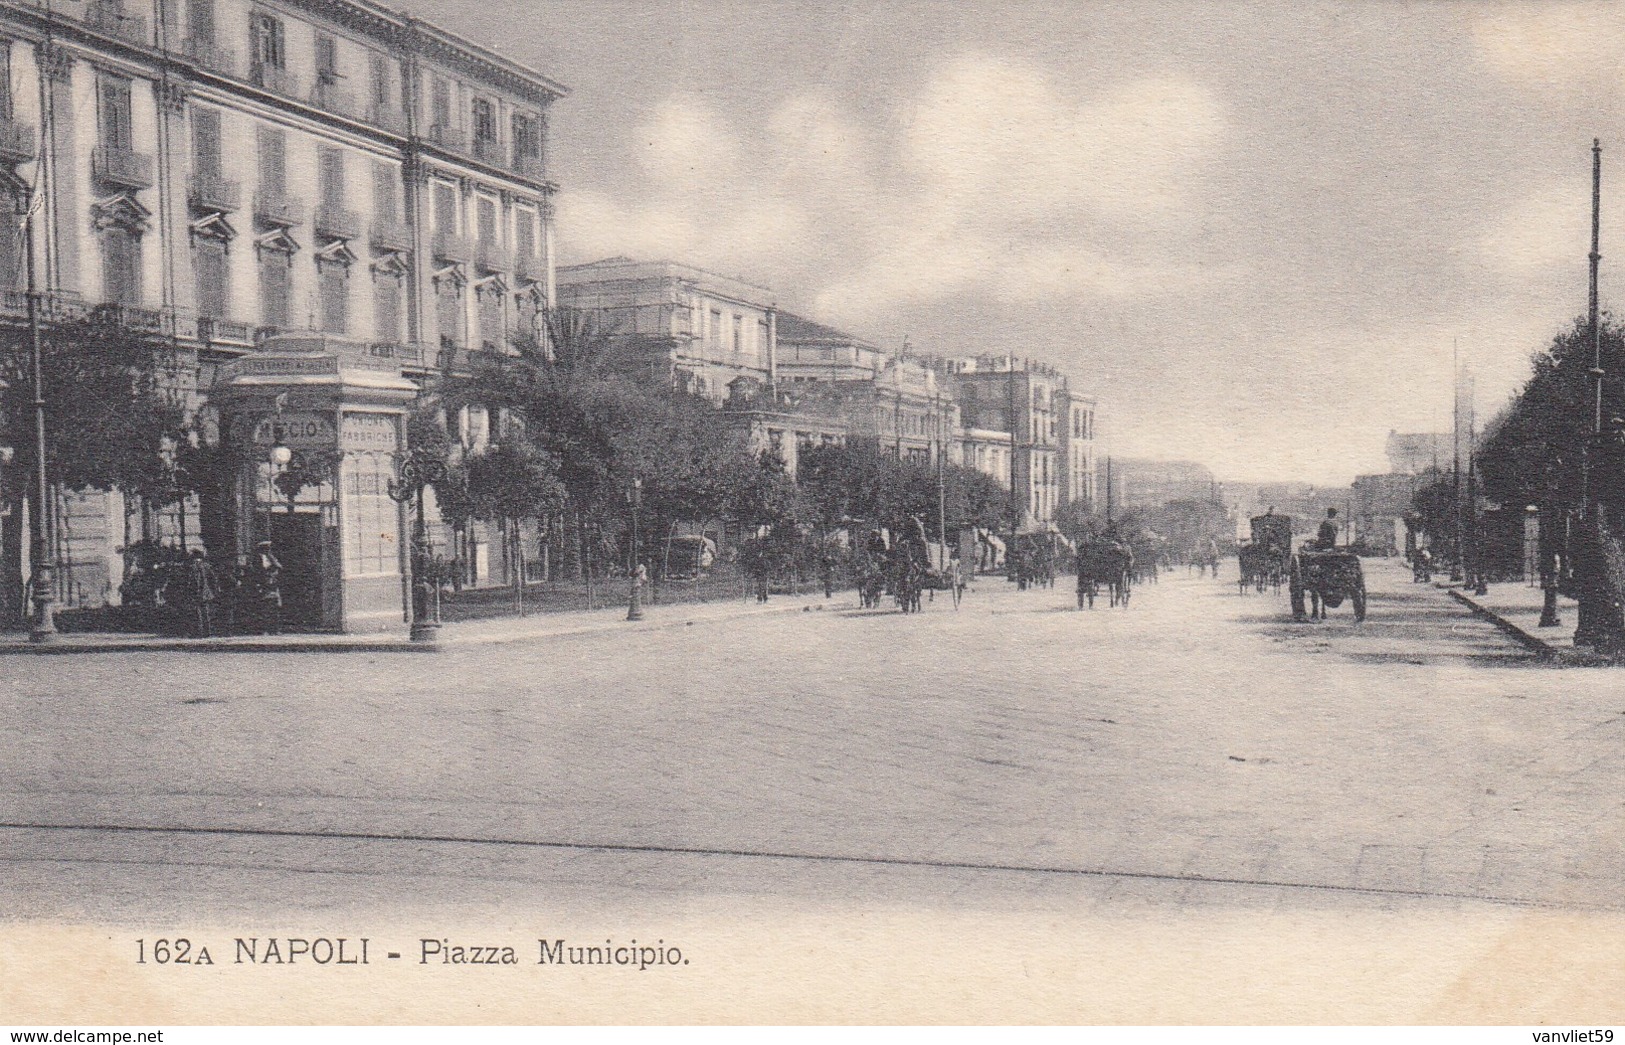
pixel 370 431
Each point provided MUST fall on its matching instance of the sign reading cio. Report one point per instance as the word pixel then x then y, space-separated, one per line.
pixel 296 431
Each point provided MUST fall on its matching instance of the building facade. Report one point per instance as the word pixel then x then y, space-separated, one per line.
pixel 1032 403
pixel 676 322
pixel 217 172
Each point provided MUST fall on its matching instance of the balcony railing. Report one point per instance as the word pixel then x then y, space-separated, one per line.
pixel 337 222
pixel 390 235
pixel 111 19
pixel 225 332
pixel 278 81
pixel 449 246
pixel 122 168
pixel 448 137
pixel 213 57
pixel 19 142
pixel 334 99
pixel 488 150
pixel 530 167
pixel 491 257
pixel 387 118
pixel 278 210
pixel 396 353
pixel 136 319
pixel 210 192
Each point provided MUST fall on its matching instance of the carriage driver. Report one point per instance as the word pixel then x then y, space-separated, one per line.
pixel 1326 539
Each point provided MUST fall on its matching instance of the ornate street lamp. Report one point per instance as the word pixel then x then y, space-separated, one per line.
pixel 43 579
pixel 414 476
pixel 634 602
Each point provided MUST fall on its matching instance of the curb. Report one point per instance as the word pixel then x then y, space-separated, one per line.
pixel 68 646
pixel 1542 649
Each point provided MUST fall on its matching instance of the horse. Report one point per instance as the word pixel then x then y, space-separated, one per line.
pixel 1109 563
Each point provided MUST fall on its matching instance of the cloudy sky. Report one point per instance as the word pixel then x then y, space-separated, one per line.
pixel 1256 232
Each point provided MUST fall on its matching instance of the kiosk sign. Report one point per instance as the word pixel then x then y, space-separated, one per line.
pixel 299 431
pixel 365 430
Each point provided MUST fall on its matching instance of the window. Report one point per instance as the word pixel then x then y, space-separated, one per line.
pixel 386 306
pixel 372 538
pixel 385 197
pixel 209 262
pixel 11 248
pixel 739 334
pixel 276 291
pixel 121 267
pixel 330 178
pixel 268 45
pixel 491 337
pixel 449 314
pixel 486 208
pixel 273 162
pixel 440 103
pixel 527 137
pixel 761 337
pixel 524 228
pixel 378 76
pixel 115 113
pixel 5 80
pixel 327 60
pixel 200 20
pixel 206 143
pixel 485 120
pixel 334 283
pixel 714 334
pixel 445 206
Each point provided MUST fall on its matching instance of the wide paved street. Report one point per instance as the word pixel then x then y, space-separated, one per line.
pixel 1195 778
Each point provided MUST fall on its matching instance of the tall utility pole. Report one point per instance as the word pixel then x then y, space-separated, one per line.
pixel 43 579
pixel 1590 626
pixel 1455 455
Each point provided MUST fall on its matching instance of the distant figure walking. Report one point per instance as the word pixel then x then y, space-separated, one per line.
pixel 265 582
pixel 202 588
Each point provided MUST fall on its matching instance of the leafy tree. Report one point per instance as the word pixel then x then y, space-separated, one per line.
pixel 112 408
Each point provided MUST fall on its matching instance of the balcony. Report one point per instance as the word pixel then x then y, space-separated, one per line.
pixel 278 210
pixel 449 246
pixel 122 168
pixel 395 353
pixel 336 222
pixel 134 319
pixel 531 270
pixel 275 80
pixel 19 143
pixel 110 18
pixel 387 118
pixel 212 57
pixel 225 332
pixel 390 235
pixel 491 257
pixel 448 137
pixel 488 150
pixel 334 99
pixel 212 193
pixel 530 167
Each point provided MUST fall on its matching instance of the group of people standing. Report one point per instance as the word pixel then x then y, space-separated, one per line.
pixel 188 592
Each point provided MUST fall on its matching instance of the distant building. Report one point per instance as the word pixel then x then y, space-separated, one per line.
pixel 678 323
pixel 1417 452
pixel 1032 403
pixel 1143 483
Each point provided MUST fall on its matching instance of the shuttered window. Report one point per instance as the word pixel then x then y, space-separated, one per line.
pixel 385 195
pixel 206 142
pixel 441 103
pixel 209 261
pixel 449 314
pixel 276 277
pixel 491 334
pixel 378 74
pixel 334 280
pixel 524 229
pixel 485 120
pixel 5 79
pixel 273 162
pixel 121 267
pixel 386 306
pixel 114 113
pixel 327 59
pixel 445 207
pixel 200 20
pixel 487 210
pixel 330 178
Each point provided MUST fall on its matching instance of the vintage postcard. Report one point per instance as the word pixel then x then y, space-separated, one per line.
pixel 882 511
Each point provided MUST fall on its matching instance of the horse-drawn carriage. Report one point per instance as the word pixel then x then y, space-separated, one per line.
pixel 1266 560
pixel 1326 577
pixel 1105 562
pixel 906 565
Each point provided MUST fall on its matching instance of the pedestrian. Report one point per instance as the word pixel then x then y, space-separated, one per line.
pixel 202 589
pixel 265 576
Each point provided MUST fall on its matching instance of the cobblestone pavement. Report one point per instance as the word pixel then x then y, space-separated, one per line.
pixel 1017 762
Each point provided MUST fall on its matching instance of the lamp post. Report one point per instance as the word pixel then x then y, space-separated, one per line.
pixel 634 602
pixel 1548 550
pixel 425 602
pixel 43 579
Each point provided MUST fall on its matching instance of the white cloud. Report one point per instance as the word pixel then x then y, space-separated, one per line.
pixel 1565 48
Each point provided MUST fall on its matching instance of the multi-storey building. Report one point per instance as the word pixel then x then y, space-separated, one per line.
pixel 1078 467
pixel 216 171
pixel 1145 483
pixel 1031 402
pixel 676 322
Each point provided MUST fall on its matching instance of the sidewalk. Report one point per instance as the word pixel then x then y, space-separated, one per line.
pixel 487 631
pixel 1515 607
